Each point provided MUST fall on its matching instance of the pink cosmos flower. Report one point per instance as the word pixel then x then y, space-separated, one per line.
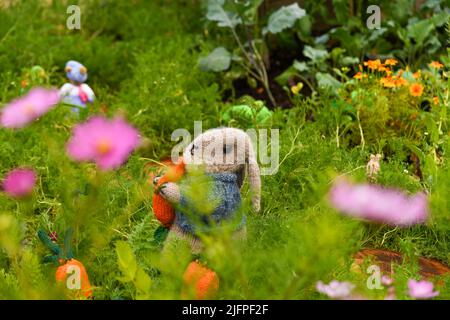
pixel 379 204
pixel 23 110
pixel 19 182
pixel 336 289
pixel 387 281
pixel 421 289
pixel 108 143
pixel 390 294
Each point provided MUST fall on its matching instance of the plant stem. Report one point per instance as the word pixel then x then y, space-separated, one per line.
pixel 258 65
pixel 363 142
pixel 337 136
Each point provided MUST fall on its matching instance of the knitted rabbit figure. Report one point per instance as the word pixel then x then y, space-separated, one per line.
pixel 225 155
pixel 76 93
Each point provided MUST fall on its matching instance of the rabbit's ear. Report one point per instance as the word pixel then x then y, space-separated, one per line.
pixel 254 177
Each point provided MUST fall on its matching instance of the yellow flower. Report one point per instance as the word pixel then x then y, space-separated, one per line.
pixel 393 82
pixel 373 64
pixel 390 62
pixel 385 69
pixel 436 64
pixel 296 89
pixel 435 101
pixel 416 89
pixel 359 76
pixel 416 75
pixel 387 82
pixel 400 81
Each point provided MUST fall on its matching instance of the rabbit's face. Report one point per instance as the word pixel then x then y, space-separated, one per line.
pixel 226 150
pixel 219 150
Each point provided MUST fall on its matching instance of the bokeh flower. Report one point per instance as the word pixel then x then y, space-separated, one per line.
pixel 436 65
pixel 387 281
pixel 297 88
pixel 393 81
pixel 28 108
pixel 399 81
pixel 373 64
pixel 19 182
pixel 108 143
pixel 388 82
pixel 416 89
pixel 375 203
pixel 359 75
pixel 336 289
pixel 421 289
pixel 435 100
pixel 390 62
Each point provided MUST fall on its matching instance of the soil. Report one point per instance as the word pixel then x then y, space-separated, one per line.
pixel 385 259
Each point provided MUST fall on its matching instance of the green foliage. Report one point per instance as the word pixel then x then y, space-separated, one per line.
pixel 218 60
pixel 284 18
pixel 143 64
pixel 132 272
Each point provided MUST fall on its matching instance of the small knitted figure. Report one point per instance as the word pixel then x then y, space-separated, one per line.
pixel 223 155
pixel 76 93
pixel 373 167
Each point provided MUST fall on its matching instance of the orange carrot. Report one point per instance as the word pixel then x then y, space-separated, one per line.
pixel 203 282
pixel 63 271
pixel 163 210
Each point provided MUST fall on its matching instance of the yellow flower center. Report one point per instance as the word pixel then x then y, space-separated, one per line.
pixel 28 110
pixel 103 146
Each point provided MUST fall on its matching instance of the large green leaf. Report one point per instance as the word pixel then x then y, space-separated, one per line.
pixel 300 66
pixel 126 260
pixel 327 81
pixel 315 54
pixel 341 11
pixel 419 31
pixel 284 18
pixel 217 13
pixel 143 284
pixel 218 60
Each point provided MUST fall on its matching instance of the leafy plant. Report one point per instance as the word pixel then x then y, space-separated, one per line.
pixel 250 40
pixel 132 272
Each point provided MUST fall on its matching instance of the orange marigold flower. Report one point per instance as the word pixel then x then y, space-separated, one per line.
pixel 24 83
pixel 390 62
pixel 385 69
pixel 393 82
pixel 416 89
pixel 435 101
pixel 400 81
pixel 436 64
pixel 387 82
pixel 359 76
pixel 416 75
pixel 373 64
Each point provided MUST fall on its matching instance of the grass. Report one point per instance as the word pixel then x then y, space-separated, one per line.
pixel 142 59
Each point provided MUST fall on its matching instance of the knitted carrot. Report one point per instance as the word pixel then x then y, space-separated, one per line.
pixel 67 264
pixel 163 210
pixel 76 266
pixel 201 281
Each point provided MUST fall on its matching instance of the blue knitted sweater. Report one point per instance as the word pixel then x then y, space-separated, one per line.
pixel 223 192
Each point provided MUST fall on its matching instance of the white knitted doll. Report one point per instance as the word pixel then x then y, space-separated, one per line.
pixel 225 155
